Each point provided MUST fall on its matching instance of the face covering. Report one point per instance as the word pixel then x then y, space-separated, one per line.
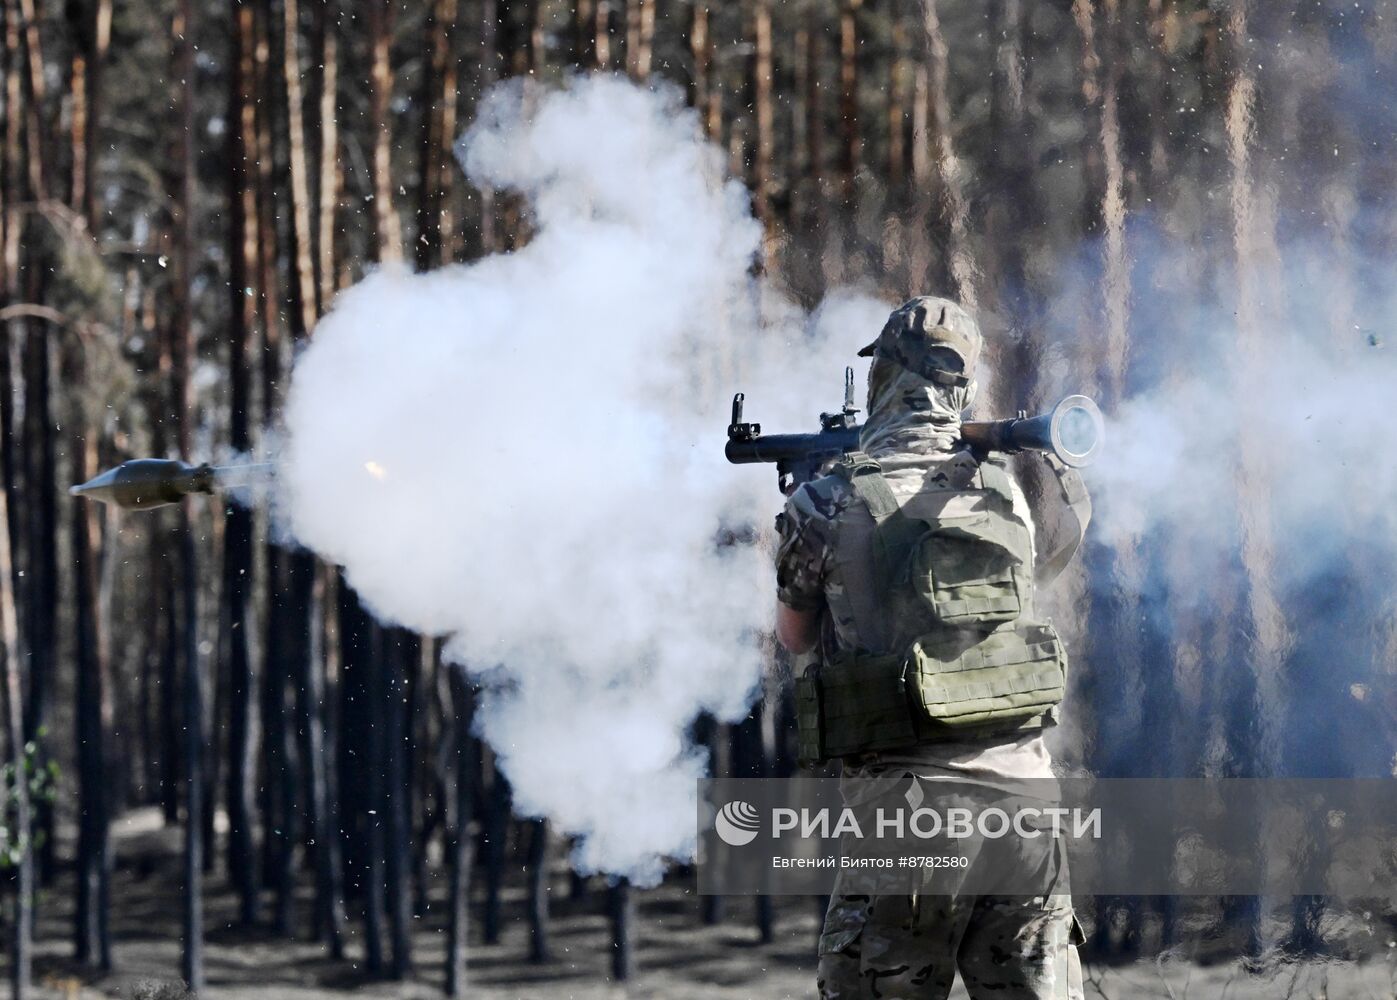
pixel 909 415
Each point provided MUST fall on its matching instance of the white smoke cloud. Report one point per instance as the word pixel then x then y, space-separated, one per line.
pixel 1306 413
pixel 525 453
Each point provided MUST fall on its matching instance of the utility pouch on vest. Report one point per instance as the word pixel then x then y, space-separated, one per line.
pixel 1007 676
pixel 971 572
pixel 853 703
pixel 947 686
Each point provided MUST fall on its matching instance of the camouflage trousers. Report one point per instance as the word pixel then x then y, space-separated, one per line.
pixel 903 947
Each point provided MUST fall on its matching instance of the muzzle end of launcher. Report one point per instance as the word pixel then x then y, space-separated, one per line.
pixel 1073 431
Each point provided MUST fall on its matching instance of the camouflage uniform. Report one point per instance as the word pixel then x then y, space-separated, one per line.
pixel 899 945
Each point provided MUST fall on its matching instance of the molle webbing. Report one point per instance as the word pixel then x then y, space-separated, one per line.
pixel 1010 674
pixel 856 702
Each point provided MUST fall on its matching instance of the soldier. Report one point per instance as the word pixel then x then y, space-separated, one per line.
pixel 914 548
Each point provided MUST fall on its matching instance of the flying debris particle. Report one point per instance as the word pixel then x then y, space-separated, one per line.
pixel 162 260
pixel 1358 691
pixel 376 470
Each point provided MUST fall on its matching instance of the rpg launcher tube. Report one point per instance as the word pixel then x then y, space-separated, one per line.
pixel 1073 430
pixel 145 483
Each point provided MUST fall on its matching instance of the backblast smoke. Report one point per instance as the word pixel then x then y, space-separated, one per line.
pixel 525 454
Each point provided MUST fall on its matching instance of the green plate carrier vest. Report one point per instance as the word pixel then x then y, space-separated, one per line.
pixel 960 560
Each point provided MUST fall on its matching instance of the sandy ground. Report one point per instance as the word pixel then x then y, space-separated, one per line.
pixel 677 956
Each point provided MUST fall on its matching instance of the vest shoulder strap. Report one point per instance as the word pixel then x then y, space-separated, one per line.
pixel 866 477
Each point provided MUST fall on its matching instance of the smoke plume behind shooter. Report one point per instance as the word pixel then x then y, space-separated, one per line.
pixel 525 454
pixel 1246 505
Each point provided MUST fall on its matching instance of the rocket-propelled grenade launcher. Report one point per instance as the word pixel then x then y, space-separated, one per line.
pixel 143 483
pixel 1072 430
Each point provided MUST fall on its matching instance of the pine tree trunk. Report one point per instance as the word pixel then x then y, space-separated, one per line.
pixel 39 157
pixel 640 37
pixel 437 96
pixel 583 45
pixel 11 225
pixel 182 363
pixel 92 938
pixel 601 34
pixel 717 737
pixel 358 785
pixel 237 537
pixel 41 604
pixel 322 818
pixel 1266 628
pixel 706 93
pixel 897 103
pixel 327 49
pixel 388 240
pixel 22 925
pixel 303 293
pixel 278 839
pixel 763 186
pixel 375 693
pixel 494 833
pixel 955 209
pixel 401 648
pixel 537 866
pixel 461 846
pixel 622 911
pixel 42 569
pixel 850 144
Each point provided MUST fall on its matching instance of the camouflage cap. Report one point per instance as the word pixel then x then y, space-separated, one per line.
pixel 917 328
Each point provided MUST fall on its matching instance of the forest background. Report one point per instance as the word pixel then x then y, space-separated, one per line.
pixel 1130 192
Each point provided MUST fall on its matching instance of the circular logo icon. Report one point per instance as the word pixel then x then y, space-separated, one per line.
pixel 736 823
